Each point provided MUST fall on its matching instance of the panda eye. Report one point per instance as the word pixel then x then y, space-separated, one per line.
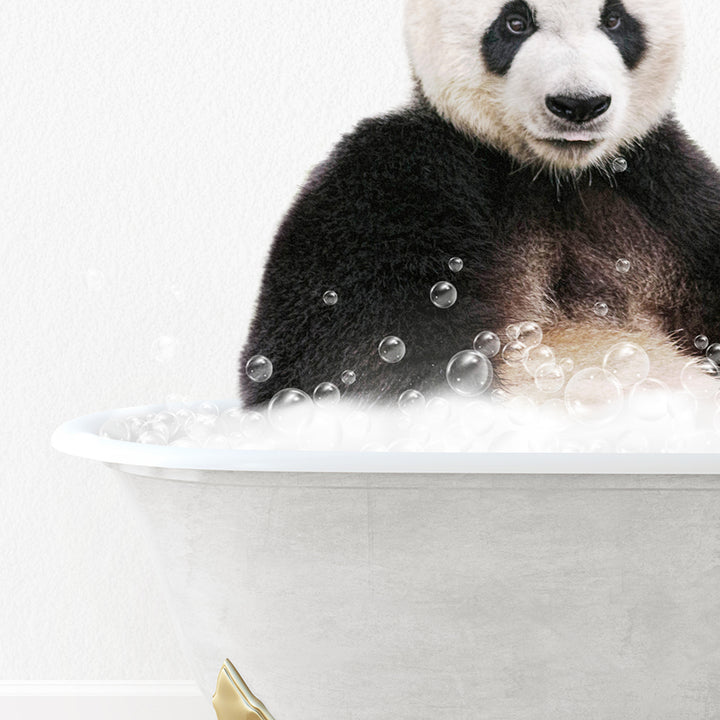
pixel 612 21
pixel 517 24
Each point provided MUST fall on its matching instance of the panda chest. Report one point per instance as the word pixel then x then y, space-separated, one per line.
pixel 595 261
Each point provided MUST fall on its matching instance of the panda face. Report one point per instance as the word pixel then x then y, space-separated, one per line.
pixel 562 84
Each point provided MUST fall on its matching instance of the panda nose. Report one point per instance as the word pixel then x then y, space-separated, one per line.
pixel 577 109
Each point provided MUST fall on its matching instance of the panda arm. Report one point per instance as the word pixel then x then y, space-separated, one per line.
pixel 678 189
pixel 377 225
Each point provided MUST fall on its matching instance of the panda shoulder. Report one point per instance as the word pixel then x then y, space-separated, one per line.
pixel 404 146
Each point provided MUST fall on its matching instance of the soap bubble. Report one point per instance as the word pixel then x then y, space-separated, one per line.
pixel 290 409
pixel 682 406
pixel 208 409
pixel 411 402
pixel 538 356
pixel 623 266
pixel 619 164
pixel 510 442
pixel 259 368
pixel 115 429
pixel 94 279
pixel 479 417
pixel 201 427
pixel 438 410
pixel 567 364
pixel 330 297
pixel 649 399
pixel 151 438
pixel 512 331
pixel 231 420
pixel 322 432
pixel 601 309
pixel 499 396
pixel 326 394
pixel 253 425
pixel 713 353
pixel 217 442
pixel 469 373
pixel 627 362
pixel 443 294
pixel 549 378
pixel 456 264
pixel 699 377
pixel 168 420
pixel 487 343
pixel 514 353
pixel 356 425
pixel 391 349
pixel 348 377
pixel 594 396
pixel 530 334
pixel 174 402
pixel 163 349
pixel 702 342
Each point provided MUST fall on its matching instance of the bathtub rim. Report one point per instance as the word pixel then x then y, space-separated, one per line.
pixel 79 437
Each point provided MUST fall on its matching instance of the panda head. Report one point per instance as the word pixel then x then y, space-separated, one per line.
pixel 562 84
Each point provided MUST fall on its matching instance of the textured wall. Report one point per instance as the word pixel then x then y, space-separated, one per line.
pixel 147 152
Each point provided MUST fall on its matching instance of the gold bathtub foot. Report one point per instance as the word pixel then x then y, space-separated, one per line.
pixel 233 700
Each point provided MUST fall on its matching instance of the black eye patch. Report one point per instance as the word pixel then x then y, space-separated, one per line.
pixel 512 27
pixel 625 31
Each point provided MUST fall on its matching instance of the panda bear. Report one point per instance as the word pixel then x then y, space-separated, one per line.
pixel 540 148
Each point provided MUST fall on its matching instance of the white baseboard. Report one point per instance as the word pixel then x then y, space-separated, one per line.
pixel 109 702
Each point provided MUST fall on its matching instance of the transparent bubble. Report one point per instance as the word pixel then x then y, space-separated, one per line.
pixel 438 410
pixel 443 294
pixel 411 402
pixel 155 428
pixel 716 421
pixel 469 373
pixel 231 421
pixel 201 427
pixel 567 364
pixel 530 334
pixel 683 406
pixel 259 368
pixel 549 378
pixel 391 349
pixel 649 399
pixel 348 377
pixel 512 331
pixel 330 297
pixel 601 309
pixel 356 425
pixel 594 396
pixel 326 394
pixel 699 377
pixel 537 357
pixel 115 429
pixel 487 343
pixel 702 342
pixel 184 416
pixel 456 264
pixel 164 348
pixel 207 408
pixel 713 353
pixel 623 266
pixel 619 164
pixel 627 362
pixel 151 438
pixel 95 279
pixel 253 425
pixel 169 420
pixel 514 353
pixel 290 409
pixel 134 424
pixel 499 397
pixel 511 441
pixel 217 442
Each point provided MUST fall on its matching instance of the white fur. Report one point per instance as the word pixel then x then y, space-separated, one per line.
pixel 569 54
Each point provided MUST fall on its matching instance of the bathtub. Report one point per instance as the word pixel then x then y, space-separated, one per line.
pixel 361 586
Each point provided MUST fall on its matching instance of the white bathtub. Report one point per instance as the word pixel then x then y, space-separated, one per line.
pixel 361 586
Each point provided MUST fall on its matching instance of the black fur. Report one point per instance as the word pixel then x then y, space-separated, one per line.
pixel 500 45
pixel 629 37
pixel 404 193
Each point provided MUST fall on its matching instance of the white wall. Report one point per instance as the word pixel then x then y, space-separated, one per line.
pixel 150 147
